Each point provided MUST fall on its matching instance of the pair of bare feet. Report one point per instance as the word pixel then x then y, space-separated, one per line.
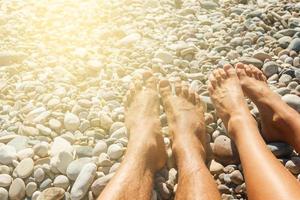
pixel 185 111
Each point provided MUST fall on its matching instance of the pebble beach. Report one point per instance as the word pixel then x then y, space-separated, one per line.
pixel 65 67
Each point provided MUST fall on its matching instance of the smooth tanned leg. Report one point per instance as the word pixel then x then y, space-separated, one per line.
pixel 265 177
pixel 146 151
pixel 186 123
pixel 280 122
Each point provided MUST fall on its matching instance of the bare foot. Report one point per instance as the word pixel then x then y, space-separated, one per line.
pixel 185 114
pixel 255 87
pixel 142 121
pixel 227 95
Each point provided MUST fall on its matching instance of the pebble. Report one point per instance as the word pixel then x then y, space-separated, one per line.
pixel 71 122
pixel 3 194
pixel 31 187
pixel 62 182
pixel 295 45
pixel 41 149
pixel 17 189
pixel 224 150
pixel 36 195
pixel 292 100
pixel 53 193
pixel 280 149
pixel 293 165
pixel 4 169
pixel 19 143
pixel 5 180
pixel 164 56
pixel 270 68
pixel 59 145
pixel 25 153
pixel 115 151
pixel 76 166
pixel 39 175
pixel 100 147
pixel 45 184
pixel 7 154
pixel 83 181
pixel 100 183
pixel 215 167
pixel 62 161
pixel 24 168
pixel 236 177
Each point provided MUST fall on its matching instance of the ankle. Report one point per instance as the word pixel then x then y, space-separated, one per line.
pixel 238 122
pixel 188 147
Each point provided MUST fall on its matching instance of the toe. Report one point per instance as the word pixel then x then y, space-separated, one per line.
pixel 129 96
pixel 217 75
pixel 240 70
pixel 229 70
pixel 262 77
pixel 185 90
pixel 254 72
pixel 222 73
pixel 248 70
pixel 213 82
pixel 197 100
pixel 165 88
pixel 192 97
pixel 178 87
pixel 138 84
pixel 127 99
pixel 259 74
pixel 210 87
pixel 149 80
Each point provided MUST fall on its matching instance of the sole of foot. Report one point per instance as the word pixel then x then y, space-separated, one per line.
pixel 142 120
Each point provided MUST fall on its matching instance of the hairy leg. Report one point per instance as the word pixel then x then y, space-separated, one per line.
pixel 146 151
pixel 265 177
pixel 280 122
pixel 186 123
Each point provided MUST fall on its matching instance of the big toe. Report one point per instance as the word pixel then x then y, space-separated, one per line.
pixel 149 80
pixel 165 88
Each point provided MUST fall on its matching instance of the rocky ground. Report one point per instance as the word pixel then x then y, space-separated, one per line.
pixel 66 65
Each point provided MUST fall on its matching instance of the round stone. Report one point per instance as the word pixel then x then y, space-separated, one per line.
pixel 55 124
pixel 83 181
pixel 5 180
pixel 71 122
pixel 53 193
pixel 39 175
pixel 61 181
pixel 25 153
pixel 100 147
pixel 293 165
pixel 292 100
pixel 7 154
pixel 63 160
pixel 270 68
pixel 17 189
pixel 31 187
pixel 115 151
pixel 36 195
pixel 3 194
pixel 25 168
pixel 224 150
pixel 75 167
pixel 41 149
